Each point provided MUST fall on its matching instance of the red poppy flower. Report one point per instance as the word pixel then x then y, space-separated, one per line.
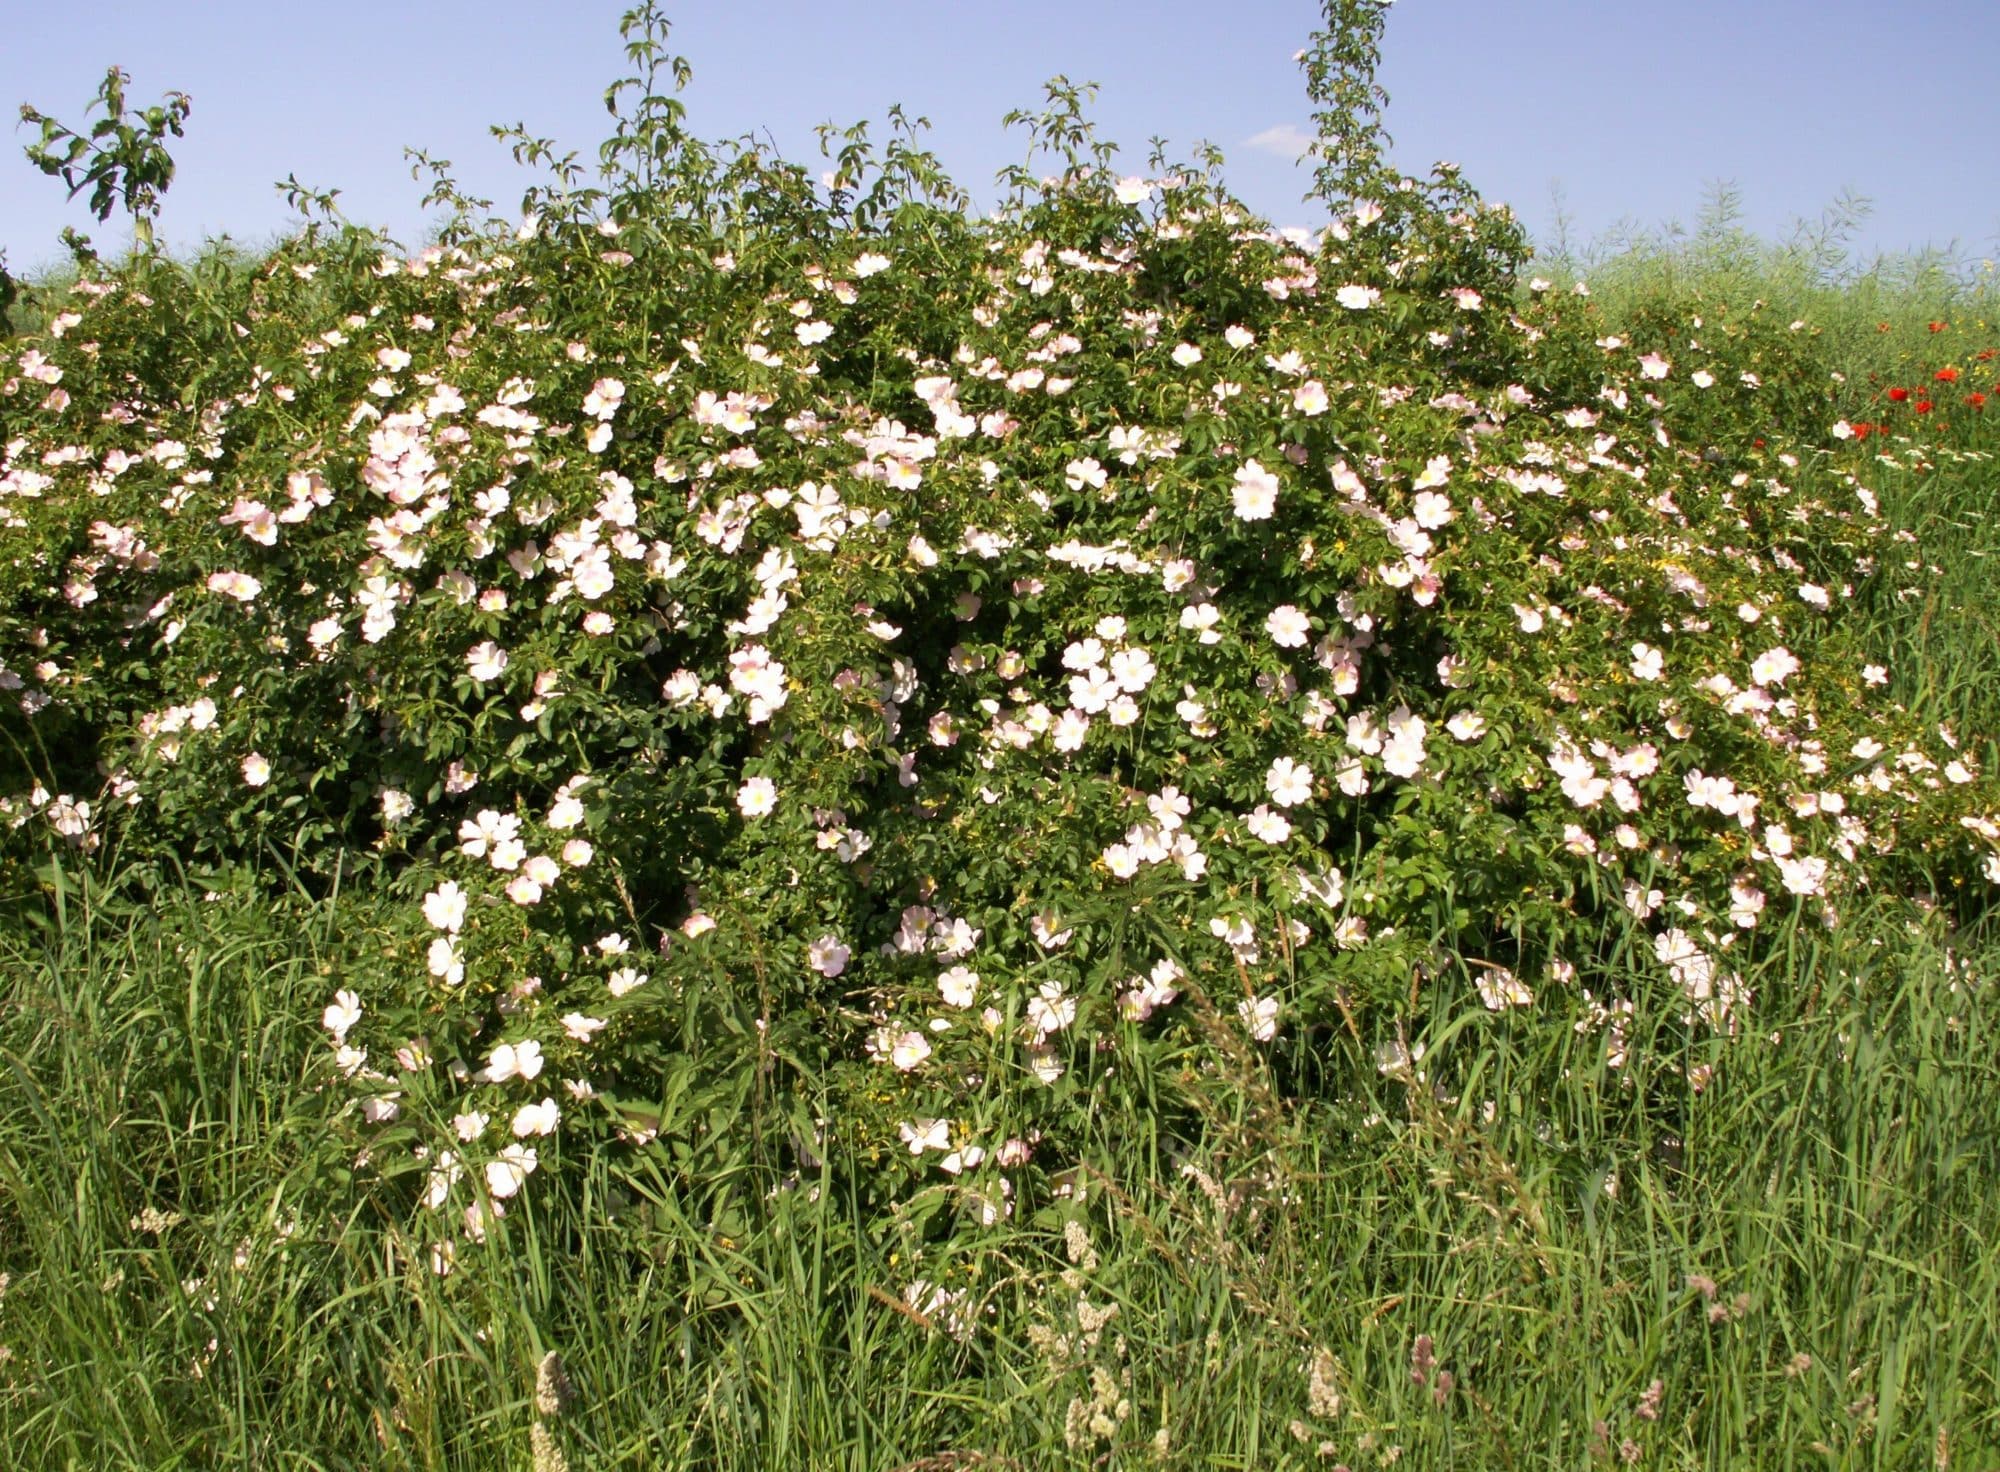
pixel 1985 355
pixel 1923 406
pixel 1946 375
pixel 1977 400
pixel 1939 326
pixel 1898 395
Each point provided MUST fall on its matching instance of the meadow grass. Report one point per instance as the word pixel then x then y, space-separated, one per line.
pixel 1872 315
pixel 1802 1255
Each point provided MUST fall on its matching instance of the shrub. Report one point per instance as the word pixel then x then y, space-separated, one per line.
pixel 934 689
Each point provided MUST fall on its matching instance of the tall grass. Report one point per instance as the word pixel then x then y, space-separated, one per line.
pixel 1871 315
pixel 1803 1254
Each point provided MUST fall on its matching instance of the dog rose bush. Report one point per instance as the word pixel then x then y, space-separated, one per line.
pixel 945 676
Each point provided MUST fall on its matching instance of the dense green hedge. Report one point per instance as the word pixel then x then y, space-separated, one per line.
pixel 934 657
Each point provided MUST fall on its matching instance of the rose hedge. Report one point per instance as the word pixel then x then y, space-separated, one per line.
pixel 896 663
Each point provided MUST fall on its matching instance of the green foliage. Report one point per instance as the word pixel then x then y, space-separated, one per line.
pixel 1340 64
pixel 123 154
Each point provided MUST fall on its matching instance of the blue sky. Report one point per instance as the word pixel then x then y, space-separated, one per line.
pixel 1632 109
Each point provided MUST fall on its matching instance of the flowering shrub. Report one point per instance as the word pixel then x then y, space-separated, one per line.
pixel 944 677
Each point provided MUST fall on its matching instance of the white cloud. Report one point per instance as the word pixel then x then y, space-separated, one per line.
pixel 1286 140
